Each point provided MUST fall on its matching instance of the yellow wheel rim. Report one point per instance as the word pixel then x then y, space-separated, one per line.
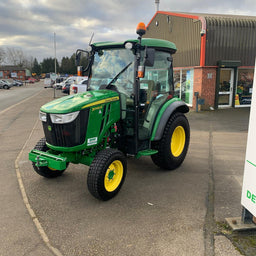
pixel 113 176
pixel 178 141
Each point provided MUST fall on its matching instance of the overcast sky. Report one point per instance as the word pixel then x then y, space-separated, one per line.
pixel 30 24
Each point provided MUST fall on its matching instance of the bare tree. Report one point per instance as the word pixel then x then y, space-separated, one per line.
pixel 29 62
pixel 15 56
pixel 2 56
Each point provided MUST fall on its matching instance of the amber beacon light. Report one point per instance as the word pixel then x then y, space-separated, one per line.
pixel 141 29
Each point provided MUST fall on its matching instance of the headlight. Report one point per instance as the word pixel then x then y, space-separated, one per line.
pixel 42 116
pixel 64 118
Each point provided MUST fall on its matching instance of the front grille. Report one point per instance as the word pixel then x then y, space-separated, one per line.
pixel 67 135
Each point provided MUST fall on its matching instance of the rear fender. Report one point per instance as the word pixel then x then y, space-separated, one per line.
pixel 164 114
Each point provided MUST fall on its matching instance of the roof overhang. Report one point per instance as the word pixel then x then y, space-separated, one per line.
pixel 229 63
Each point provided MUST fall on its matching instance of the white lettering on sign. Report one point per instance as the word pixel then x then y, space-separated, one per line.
pixel 92 141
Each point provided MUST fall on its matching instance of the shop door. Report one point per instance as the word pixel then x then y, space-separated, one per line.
pixel 226 87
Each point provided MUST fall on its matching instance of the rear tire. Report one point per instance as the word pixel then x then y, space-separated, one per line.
pixel 44 170
pixel 173 146
pixel 107 174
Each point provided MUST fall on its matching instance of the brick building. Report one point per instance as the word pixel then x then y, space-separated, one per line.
pixel 215 56
pixel 14 72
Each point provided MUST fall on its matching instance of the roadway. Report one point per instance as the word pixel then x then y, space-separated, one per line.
pixel 16 94
pixel 156 212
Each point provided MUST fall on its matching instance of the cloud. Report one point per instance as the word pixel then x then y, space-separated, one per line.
pixel 236 7
pixel 30 24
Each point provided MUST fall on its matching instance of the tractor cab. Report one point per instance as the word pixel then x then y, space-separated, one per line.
pixel 141 72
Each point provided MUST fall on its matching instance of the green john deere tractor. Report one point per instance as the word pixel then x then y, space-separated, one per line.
pixel 129 109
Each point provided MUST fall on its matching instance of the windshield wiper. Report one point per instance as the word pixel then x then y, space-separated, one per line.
pixel 115 78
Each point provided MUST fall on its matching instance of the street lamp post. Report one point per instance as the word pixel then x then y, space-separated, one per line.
pixel 55 66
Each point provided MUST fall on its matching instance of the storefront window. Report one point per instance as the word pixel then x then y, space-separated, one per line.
pixel 177 82
pixel 183 85
pixel 244 87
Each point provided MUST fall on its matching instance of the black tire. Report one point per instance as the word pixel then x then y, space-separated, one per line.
pixel 103 182
pixel 44 170
pixel 167 157
pixel 6 87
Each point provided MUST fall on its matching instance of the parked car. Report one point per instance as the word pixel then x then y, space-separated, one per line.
pixel 9 82
pixel 5 84
pixel 13 82
pixel 18 82
pixel 66 88
pixel 59 85
pixel 31 80
pixel 59 79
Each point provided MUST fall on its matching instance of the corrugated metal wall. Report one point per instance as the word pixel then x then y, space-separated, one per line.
pixel 227 38
pixel 184 32
pixel 230 39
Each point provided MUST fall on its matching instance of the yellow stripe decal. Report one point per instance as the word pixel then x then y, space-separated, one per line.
pixel 101 102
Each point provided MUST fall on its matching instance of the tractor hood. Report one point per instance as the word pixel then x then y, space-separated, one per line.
pixel 78 102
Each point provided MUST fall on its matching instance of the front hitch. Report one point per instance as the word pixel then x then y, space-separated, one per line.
pixel 41 159
pixel 41 162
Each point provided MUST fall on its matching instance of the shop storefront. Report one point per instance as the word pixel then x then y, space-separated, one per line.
pixel 213 60
pixel 244 87
pixel 234 85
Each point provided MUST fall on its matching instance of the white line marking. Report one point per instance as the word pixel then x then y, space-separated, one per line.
pixel 25 198
pixel 15 105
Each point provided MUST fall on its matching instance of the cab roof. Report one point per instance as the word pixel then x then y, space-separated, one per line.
pixel 150 42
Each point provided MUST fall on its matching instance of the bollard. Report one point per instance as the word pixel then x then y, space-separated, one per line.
pixel 198 100
pixel 196 94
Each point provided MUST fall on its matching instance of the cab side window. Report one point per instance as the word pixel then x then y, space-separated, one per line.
pixel 155 87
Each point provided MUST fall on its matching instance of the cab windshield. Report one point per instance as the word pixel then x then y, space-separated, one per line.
pixel 113 66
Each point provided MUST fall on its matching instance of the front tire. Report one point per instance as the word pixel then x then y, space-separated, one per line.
pixel 45 171
pixel 173 146
pixel 107 174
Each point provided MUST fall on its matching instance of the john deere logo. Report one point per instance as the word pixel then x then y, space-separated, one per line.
pixel 49 128
pixel 93 109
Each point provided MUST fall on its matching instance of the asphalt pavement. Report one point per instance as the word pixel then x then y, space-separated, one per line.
pixel 18 234
pixel 155 213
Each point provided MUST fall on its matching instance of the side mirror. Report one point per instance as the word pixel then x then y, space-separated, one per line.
pixel 82 61
pixel 149 57
pixel 78 57
pixel 79 54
